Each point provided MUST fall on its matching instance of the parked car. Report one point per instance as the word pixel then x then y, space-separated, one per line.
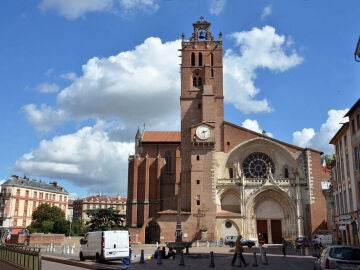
pixel 338 257
pixel 247 242
pixel 230 241
pixel 301 242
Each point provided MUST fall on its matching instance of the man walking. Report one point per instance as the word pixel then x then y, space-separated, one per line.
pixel 238 252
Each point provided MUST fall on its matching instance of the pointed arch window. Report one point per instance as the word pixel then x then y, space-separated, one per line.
pixel 197 80
pixel 200 59
pixel 192 59
pixel 168 162
pixel 286 173
pixel 231 173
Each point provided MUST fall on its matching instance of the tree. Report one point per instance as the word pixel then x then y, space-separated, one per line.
pixel 78 228
pixel 49 219
pixel 104 219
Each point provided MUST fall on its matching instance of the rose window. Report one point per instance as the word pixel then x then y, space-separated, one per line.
pixel 256 165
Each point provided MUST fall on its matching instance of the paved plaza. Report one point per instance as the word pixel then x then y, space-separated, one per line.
pixel 198 258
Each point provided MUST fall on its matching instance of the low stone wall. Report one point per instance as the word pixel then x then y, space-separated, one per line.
pixel 37 238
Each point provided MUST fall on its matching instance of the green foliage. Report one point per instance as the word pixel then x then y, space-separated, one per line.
pixel 49 219
pixel 78 228
pixel 105 219
pixel 329 159
pixel 47 226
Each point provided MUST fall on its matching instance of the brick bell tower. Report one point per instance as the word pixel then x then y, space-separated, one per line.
pixel 202 116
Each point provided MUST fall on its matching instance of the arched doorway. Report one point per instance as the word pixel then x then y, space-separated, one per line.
pixel 273 213
pixel 269 215
pixel 152 233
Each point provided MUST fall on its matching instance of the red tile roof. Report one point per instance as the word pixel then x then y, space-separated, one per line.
pixel 162 136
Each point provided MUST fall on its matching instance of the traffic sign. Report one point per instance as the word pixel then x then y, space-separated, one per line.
pixel 345 217
pixel 345 222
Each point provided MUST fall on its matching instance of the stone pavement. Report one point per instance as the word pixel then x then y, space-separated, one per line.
pixel 199 258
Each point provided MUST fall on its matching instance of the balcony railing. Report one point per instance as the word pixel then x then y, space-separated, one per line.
pixel 253 181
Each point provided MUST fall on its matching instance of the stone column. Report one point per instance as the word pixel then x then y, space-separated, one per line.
pixel 299 209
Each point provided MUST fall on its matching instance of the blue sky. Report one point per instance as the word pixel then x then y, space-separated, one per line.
pixel 79 77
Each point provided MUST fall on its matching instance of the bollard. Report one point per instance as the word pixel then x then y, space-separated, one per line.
pixel 197 243
pixel 142 257
pixel 212 264
pixel 264 258
pixel 181 258
pixel 207 244
pixel 157 244
pixel 307 251
pixel 72 250
pixel 68 250
pixel 255 264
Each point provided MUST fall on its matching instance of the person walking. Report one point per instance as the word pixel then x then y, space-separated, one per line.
pixel 284 245
pixel 238 252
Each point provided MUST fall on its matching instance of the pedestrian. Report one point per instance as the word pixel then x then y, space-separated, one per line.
pixel 284 245
pixel 261 240
pixel 157 253
pixel 171 254
pixel 238 252
pixel 163 252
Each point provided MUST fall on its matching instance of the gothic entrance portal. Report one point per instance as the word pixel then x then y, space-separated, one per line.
pixel 271 207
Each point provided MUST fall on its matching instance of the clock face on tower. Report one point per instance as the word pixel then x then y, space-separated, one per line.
pixel 203 132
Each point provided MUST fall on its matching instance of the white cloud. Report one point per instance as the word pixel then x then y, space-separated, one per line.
pixel 320 140
pixel 72 10
pixel 87 158
pixel 217 6
pixel 70 76
pixel 266 12
pixel 45 117
pixel 258 48
pixel 47 88
pixel 148 6
pixel 254 126
pixel 301 138
pixel 121 86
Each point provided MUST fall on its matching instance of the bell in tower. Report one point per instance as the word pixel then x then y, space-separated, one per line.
pixel 201 30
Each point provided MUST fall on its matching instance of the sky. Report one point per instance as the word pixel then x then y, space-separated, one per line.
pixel 78 78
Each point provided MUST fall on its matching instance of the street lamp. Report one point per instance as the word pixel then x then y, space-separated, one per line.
pixel 357 51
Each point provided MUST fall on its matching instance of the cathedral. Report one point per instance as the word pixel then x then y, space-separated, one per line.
pixel 214 179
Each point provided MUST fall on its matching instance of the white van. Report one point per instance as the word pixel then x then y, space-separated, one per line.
pixel 105 245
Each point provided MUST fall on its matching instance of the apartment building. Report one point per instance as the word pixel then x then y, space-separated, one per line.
pixel 346 178
pixel 99 201
pixel 20 197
